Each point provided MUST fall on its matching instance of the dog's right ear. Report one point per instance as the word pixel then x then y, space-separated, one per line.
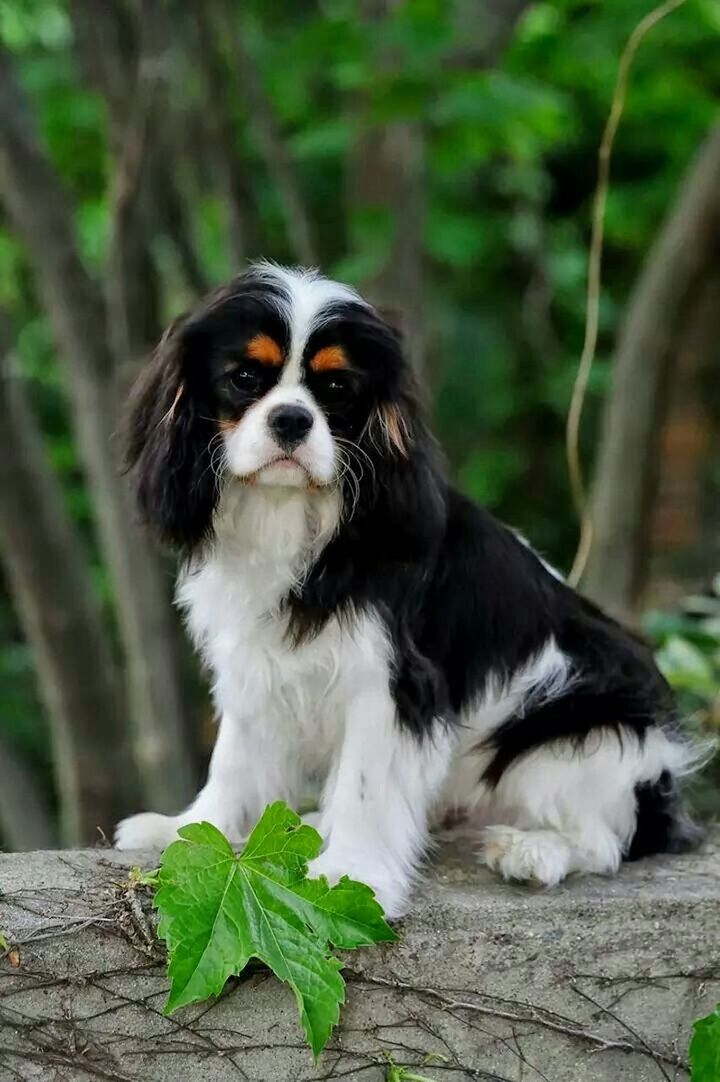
pixel 168 438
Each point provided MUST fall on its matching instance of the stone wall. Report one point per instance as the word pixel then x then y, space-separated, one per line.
pixel 597 980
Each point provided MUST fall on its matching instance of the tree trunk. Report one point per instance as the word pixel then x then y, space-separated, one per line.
pixel 627 470
pixel 119 60
pixel 39 208
pixel 386 169
pixel 122 59
pixel 484 38
pixel 272 146
pixel 171 213
pixel 221 134
pixel 25 821
pixel 386 175
pixel 51 589
pixel 685 540
pixel 386 182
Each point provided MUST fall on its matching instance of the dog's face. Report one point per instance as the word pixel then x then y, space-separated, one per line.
pixel 281 378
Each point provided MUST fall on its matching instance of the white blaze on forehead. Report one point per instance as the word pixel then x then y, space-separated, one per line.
pixel 307 302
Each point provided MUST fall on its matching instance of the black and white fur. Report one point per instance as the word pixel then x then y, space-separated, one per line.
pixel 366 624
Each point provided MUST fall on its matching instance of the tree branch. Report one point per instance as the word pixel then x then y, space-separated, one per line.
pixel 488 37
pixel 42 215
pixel 53 595
pixel 386 169
pixel 25 821
pixel 106 47
pixel 627 475
pixel 272 146
pixel 131 287
pixel 221 133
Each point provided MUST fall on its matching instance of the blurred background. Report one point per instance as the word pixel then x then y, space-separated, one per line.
pixel 441 155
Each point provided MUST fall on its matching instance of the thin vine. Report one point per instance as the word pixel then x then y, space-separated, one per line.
pixel 594 280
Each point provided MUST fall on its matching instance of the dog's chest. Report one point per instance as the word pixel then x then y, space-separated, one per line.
pixel 233 595
pixel 235 613
pixel 256 672
pixel 233 602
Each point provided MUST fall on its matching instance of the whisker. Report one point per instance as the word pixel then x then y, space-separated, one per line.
pixel 216 448
pixel 352 453
pixel 348 475
pixel 358 450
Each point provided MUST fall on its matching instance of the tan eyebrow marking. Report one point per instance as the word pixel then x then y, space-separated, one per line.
pixel 264 349
pixel 329 359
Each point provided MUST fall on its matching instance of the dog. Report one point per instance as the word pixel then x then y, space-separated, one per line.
pixel 367 625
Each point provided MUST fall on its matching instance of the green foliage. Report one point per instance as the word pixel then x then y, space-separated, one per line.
pixel 509 171
pixel 219 910
pixel 19 695
pixel 404 1074
pixel 397 1073
pixel 687 667
pixel 705 1048
pixel 689 653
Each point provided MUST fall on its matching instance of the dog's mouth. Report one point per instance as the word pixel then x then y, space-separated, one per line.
pixel 287 461
pixel 280 470
pixel 283 461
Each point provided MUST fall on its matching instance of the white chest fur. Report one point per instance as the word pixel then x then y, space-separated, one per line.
pixel 265 541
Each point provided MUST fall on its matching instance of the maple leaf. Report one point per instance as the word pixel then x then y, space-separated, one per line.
pixel 705 1048
pixel 218 910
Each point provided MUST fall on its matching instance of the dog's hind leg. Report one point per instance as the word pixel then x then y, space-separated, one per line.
pixel 562 809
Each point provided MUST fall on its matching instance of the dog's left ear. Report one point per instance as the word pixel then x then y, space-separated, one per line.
pixel 393 420
pixel 405 489
pixel 168 438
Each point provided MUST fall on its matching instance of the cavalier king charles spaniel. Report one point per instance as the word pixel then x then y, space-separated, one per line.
pixel 368 626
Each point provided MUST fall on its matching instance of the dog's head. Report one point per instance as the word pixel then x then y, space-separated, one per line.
pixel 280 378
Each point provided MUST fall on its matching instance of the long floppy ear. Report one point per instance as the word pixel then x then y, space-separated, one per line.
pixel 399 409
pixel 168 438
pixel 398 501
pixel 389 427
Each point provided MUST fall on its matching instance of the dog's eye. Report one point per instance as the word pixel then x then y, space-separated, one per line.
pixel 336 385
pixel 334 389
pixel 244 377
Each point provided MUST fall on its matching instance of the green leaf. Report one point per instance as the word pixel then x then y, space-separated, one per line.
pixel 684 665
pixel 397 1073
pixel 4 942
pixel 404 1074
pixel 705 1048
pixel 219 910
pixel 139 878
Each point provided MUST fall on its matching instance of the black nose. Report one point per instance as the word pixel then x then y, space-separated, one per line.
pixel 290 425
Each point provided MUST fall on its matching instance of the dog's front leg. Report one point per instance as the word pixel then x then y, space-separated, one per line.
pixel 378 795
pixel 252 764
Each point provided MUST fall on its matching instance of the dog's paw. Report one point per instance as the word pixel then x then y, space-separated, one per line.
pixel 391 890
pixel 539 856
pixel 146 831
